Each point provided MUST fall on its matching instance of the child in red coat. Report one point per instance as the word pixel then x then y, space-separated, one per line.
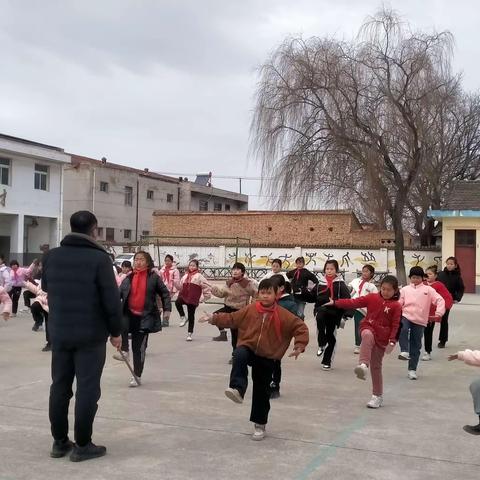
pixel 432 280
pixel 378 331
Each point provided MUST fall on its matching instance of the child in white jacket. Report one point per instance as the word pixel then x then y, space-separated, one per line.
pixel 360 287
pixel 471 357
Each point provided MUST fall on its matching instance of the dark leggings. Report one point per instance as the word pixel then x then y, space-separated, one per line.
pixel 443 337
pixel 139 343
pixel 15 293
pixel 39 315
pixel 327 322
pixel 234 331
pixel 179 303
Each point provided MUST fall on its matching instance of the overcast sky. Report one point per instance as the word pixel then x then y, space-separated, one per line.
pixel 169 85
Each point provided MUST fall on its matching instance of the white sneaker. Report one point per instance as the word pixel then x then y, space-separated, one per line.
pixel 320 351
pixel 118 356
pixel 375 402
pixel 356 350
pixel 258 432
pixel 234 395
pixel 133 382
pixel 326 367
pixel 189 337
pixel 404 356
pixel 426 357
pixel 183 321
pixel 412 374
pixel 361 371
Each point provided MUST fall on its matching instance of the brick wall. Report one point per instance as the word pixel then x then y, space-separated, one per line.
pixel 289 229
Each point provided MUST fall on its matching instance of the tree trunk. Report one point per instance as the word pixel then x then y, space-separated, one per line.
pixel 426 234
pixel 399 246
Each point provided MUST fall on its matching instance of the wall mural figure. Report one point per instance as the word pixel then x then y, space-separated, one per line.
pixel 418 258
pixel 285 263
pixel 346 261
pixel 368 257
pixel 310 258
pixel 268 259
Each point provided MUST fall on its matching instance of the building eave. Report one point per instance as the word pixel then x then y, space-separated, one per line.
pixel 453 213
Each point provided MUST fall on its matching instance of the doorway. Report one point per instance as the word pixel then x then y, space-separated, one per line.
pixel 465 251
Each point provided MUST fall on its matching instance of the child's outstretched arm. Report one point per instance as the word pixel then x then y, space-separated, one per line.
pixel 349 303
pixel 299 332
pixel 470 357
pixel 439 302
pixel 225 320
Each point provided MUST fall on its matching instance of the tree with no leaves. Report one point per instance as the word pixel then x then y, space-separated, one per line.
pixel 357 122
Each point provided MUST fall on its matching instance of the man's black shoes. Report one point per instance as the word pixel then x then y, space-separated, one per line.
pixel 60 448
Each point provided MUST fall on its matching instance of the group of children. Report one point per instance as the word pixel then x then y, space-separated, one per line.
pixel 264 318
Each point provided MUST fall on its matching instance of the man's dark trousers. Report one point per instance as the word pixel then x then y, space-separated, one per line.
pixel 86 364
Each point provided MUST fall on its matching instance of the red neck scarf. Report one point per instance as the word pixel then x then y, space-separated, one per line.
pixel 297 273
pixel 166 273
pixel 330 280
pixel 274 315
pixel 138 291
pixel 190 275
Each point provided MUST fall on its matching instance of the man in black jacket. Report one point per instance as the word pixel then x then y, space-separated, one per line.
pixel 85 309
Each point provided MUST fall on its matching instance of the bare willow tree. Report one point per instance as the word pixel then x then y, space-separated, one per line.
pixel 354 121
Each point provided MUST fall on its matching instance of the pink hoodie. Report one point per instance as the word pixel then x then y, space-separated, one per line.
pixel 470 357
pixel 19 275
pixel 416 301
pixel 5 302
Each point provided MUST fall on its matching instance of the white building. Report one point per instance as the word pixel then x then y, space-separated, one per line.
pixel 124 198
pixel 31 197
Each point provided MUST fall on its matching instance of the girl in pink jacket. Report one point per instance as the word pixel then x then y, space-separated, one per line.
pixel 5 304
pixel 193 288
pixel 18 275
pixel 39 309
pixel 416 300
pixel 471 357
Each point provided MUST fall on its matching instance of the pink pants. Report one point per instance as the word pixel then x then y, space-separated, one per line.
pixel 372 355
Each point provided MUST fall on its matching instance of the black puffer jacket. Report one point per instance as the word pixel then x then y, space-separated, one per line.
pixel 84 306
pixel 151 321
pixel 299 282
pixel 454 283
pixel 340 290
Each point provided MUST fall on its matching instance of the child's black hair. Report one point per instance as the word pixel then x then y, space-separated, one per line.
pixel 277 261
pixel 147 257
pixel 370 268
pixel 239 266
pixel 331 262
pixel 278 280
pixel 300 259
pixel 457 266
pixel 126 264
pixel 195 261
pixel 433 268
pixel 169 256
pixel 267 284
pixel 288 287
pixel 14 262
pixel 416 272
pixel 393 281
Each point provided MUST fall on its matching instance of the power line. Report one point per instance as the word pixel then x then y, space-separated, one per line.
pixel 229 177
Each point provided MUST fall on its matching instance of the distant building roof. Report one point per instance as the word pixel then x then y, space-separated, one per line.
pixel 464 196
pixel 29 142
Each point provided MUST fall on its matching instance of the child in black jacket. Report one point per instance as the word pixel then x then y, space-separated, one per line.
pixel 299 279
pixel 331 286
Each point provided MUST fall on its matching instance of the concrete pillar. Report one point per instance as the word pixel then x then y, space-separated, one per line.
pixel 54 232
pixel 17 238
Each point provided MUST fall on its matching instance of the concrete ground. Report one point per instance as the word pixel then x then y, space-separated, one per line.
pixel 179 424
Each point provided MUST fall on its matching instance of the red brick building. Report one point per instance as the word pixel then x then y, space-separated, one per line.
pixel 312 228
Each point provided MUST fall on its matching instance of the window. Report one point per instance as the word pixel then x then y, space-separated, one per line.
pixel 149 194
pixel 227 207
pixel 145 233
pixel 465 238
pixel 169 197
pixel 129 196
pixel 110 234
pixel 217 207
pixel 104 187
pixel 127 234
pixel 41 177
pixel 100 232
pixel 203 205
pixel 4 171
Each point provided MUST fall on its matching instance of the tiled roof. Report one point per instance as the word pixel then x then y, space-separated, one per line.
pixel 464 196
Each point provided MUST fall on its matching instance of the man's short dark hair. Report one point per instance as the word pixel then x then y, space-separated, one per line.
pixel 83 221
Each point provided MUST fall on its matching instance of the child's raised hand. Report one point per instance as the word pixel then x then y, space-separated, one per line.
pixel 206 317
pixel 389 348
pixel 453 357
pixel 295 353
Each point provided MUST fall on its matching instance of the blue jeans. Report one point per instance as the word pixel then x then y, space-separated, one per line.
pixel 411 343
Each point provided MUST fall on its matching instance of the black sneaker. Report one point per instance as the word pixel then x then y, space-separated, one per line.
pixel 60 448
pixel 274 393
pixel 36 326
pixel 441 345
pixel 89 451
pixel 47 348
pixel 472 429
